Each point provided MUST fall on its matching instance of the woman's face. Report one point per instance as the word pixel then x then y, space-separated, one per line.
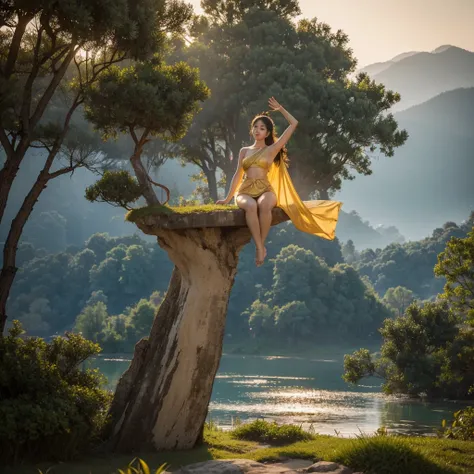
pixel 259 130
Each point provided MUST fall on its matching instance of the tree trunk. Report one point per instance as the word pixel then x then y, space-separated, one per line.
pixel 7 177
pixel 142 176
pixel 9 269
pixel 10 170
pixel 161 401
pixel 230 168
pixel 211 183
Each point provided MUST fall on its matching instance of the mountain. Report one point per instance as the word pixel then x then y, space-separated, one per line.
pixel 421 76
pixel 376 68
pixel 351 227
pixel 430 180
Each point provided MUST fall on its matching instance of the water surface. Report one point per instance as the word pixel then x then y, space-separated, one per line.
pixel 306 391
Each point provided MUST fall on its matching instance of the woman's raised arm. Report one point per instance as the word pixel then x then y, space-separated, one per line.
pixel 285 136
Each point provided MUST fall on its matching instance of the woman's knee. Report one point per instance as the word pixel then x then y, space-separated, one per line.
pixel 267 203
pixel 248 204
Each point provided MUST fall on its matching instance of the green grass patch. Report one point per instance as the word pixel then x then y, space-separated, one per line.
pixel 382 455
pixel 387 455
pixel 265 432
pixel 159 210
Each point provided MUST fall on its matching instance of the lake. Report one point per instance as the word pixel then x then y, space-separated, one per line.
pixel 305 391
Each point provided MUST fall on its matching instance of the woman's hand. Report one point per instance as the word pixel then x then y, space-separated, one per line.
pixel 274 105
pixel 221 201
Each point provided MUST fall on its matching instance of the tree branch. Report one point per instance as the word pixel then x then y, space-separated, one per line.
pixel 7 146
pixel 27 94
pixel 45 99
pixel 15 44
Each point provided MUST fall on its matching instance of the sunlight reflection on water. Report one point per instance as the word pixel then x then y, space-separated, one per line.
pixel 307 392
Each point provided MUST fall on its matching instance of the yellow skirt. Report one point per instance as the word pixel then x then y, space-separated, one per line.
pixel 255 187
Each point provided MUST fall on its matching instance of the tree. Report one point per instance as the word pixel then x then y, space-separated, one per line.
pixel 142 316
pixel 145 100
pixel 294 320
pixel 39 42
pixel 219 46
pixel 410 265
pixel 308 299
pixel 261 318
pixel 398 298
pixel 456 264
pixel 425 351
pixel 91 322
pixel 252 52
pixel 349 252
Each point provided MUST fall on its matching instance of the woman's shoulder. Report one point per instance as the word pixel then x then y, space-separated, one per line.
pixel 244 151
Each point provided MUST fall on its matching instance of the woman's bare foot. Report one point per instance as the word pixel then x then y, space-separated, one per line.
pixel 260 256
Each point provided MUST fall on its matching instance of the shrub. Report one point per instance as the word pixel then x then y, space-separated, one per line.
pixel 49 407
pixel 118 188
pixel 385 455
pixel 272 433
pixel 462 427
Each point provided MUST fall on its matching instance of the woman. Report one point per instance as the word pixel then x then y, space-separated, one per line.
pixel 267 184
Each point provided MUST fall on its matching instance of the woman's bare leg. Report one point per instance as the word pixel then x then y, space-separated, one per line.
pixel 266 203
pixel 249 205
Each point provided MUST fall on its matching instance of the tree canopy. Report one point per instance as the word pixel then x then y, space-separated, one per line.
pixel 145 100
pixel 246 54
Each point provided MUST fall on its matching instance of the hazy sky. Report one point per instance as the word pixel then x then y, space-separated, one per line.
pixel 380 29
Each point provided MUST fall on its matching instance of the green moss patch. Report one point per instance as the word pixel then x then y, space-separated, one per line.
pixel 159 210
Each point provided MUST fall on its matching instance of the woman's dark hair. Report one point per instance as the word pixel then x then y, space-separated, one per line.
pixel 272 138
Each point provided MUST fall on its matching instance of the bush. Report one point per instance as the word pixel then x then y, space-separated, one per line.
pixel 272 433
pixel 118 188
pixel 386 455
pixel 462 427
pixel 50 408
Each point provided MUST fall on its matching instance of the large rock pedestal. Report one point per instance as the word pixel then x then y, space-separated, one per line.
pixel 161 401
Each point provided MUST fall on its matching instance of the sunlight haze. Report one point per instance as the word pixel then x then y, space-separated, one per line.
pixel 379 30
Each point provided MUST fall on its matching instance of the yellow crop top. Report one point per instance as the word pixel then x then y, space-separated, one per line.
pixel 255 159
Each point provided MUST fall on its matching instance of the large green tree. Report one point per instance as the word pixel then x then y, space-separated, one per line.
pixel 398 299
pixel 218 48
pixel 310 300
pixel 425 351
pixel 247 52
pixel 145 100
pixel 39 41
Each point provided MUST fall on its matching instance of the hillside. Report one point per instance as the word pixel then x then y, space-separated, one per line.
pixel 430 179
pixel 421 76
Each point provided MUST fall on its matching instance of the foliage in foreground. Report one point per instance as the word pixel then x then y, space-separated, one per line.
pixel 462 427
pixel 49 407
pixel 272 433
pixel 386 455
pixel 141 468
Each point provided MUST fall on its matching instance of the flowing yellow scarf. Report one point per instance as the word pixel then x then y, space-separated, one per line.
pixel 314 217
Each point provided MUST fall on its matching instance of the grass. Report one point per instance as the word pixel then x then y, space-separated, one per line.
pixel 380 454
pixel 159 210
pixel 272 433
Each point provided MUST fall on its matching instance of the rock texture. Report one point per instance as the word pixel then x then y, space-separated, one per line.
pixel 246 466
pixel 161 401
pixel 222 218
